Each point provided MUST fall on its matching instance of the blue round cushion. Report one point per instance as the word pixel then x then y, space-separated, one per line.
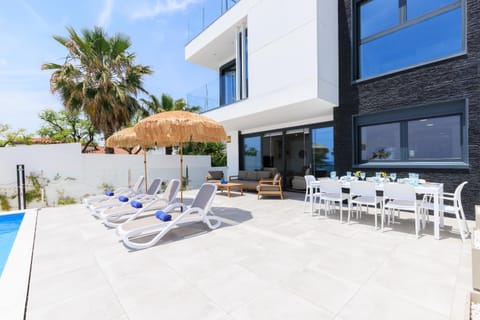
pixel 162 215
pixel 123 199
pixel 136 204
pixel 109 193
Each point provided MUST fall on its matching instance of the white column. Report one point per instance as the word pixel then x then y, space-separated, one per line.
pixel 244 64
pixel 238 66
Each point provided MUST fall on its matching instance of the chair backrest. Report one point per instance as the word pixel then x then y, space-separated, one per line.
pixel 399 191
pixel 154 186
pixel 277 178
pixel 171 191
pixel 138 184
pixel 204 197
pixel 363 188
pixel 330 186
pixel 457 195
pixel 309 179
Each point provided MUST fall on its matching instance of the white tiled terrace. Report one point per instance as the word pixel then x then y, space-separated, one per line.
pixel 268 261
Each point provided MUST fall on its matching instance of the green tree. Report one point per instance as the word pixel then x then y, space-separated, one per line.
pixel 12 137
pixel 67 126
pixel 99 77
pixel 216 150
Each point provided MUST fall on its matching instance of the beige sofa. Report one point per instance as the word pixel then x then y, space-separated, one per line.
pixel 250 178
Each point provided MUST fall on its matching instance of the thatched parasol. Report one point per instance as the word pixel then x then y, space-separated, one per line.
pixel 173 128
pixel 127 138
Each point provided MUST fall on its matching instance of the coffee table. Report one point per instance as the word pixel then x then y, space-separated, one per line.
pixel 228 187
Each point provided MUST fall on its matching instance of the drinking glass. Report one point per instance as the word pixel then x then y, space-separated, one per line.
pixel 349 174
pixel 333 174
pixel 393 176
pixel 363 175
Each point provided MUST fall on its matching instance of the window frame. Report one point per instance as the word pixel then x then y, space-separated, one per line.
pixel 402 116
pixel 403 23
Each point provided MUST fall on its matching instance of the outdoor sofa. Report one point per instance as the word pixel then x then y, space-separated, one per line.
pixel 250 178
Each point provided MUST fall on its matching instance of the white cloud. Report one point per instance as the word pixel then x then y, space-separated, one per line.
pixel 106 14
pixel 162 7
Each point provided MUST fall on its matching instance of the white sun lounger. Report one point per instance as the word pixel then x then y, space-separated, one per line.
pixel 115 202
pixel 128 192
pixel 167 201
pixel 199 211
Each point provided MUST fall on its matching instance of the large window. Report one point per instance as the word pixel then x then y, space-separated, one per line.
pixel 396 34
pixel 228 86
pixel 433 135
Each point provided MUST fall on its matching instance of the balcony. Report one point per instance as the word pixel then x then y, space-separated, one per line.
pixel 214 94
pixel 206 14
pixel 207 97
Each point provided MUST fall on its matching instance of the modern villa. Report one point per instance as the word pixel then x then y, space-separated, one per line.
pixel 370 85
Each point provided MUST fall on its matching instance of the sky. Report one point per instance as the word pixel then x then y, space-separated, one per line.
pixel 158 30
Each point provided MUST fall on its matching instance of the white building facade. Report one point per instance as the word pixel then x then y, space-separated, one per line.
pixel 277 62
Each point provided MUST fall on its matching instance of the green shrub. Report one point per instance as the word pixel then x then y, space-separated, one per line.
pixel 35 193
pixel 4 204
pixel 63 199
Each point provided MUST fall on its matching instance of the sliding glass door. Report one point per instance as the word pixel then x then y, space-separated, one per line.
pixel 293 152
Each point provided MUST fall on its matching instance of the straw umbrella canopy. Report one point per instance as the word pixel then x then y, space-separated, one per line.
pixel 173 128
pixel 127 138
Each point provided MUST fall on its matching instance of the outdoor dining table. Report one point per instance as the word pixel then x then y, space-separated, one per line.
pixel 432 188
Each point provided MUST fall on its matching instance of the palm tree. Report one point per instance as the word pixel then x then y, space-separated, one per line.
pixel 155 105
pixel 99 77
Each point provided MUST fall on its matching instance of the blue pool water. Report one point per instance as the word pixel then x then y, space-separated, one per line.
pixel 9 225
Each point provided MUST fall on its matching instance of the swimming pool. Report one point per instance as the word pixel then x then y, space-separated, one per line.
pixel 9 225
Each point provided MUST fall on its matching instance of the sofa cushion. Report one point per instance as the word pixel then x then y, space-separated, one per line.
pixel 242 175
pixel 276 178
pixel 214 175
pixel 272 170
pixel 263 175
pixel 251 175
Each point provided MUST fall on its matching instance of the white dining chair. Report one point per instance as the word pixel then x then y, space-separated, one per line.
pixel 331 194
pixel 450 203
pixel 363 193
pixel 312 192
pixel 400 197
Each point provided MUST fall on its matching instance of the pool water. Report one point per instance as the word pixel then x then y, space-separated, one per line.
pixel 9 225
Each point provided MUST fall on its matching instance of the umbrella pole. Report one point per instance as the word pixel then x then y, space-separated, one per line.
pixel 181 173
pixel 145 167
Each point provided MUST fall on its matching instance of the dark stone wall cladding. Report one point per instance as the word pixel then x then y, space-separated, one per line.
pixel 454 78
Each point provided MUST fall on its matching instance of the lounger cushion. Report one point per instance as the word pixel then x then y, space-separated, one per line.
pixel 162 215
pixel 136 204
pixel 123 199
pixel 109 193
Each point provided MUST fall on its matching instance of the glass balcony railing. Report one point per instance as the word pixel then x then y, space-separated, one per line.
pixel 205 14
pixel 207 97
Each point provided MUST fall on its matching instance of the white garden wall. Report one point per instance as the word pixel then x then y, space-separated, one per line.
pixel 75 174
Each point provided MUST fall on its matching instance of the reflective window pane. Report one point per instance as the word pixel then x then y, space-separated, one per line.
pixel 435 138
pixel 437 37
pixel 322 151
pixel 380 142
pixel 376 16
pixel 252 154
pixel 417 8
